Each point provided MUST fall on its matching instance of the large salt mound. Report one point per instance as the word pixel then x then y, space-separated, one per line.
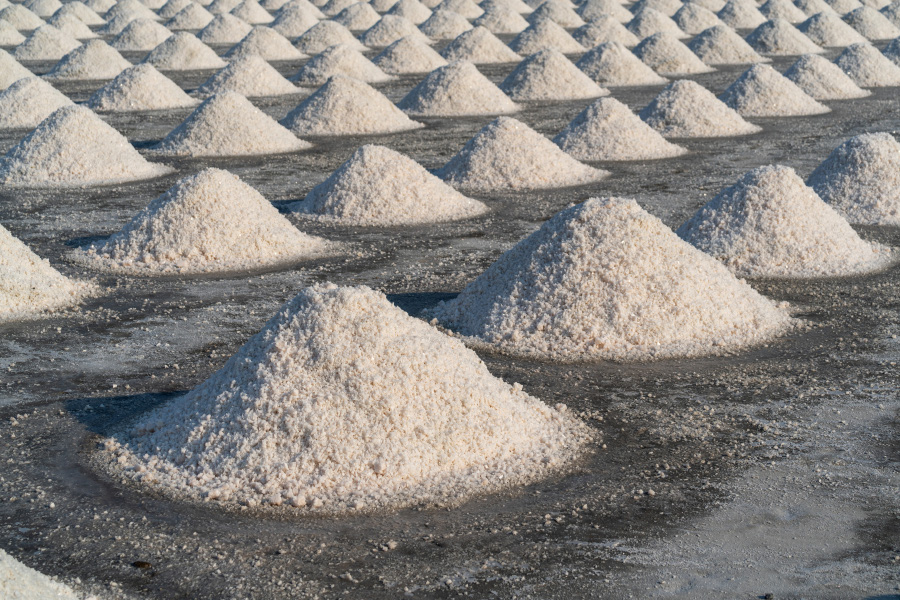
pixel 227 124
pixel 663 53
pixel 861 179
pixel 823 80
pixel 606 280
pixel 608 130
pixel 74 147
pixel 346 106
pixel 10 70
pixel 650 21
pixel 782 9
pixel 9 35
pixel 190 18
pixel 868 67
pixel 267 43
pixel 137 88
pixel 827 29
pixel 457 89
pixel 693 18
pixel 411 10
pixel 549 75
pixel 390 29
pixel 500 20
pixel 508 155
pixel 94 60
pixel 465 8
pixel 612 64
pixel 545 34
pixel 72 25
pixel 761 91
pixel 141 35
pixel 294 22
pixel 251 12
pixel 18 582
pixel 592 10
pixel 780 38
pixel 357 17
pixel 21 18
pixel 328 33
pixel 27 102
pixel 249 76
pixel 871 24
pixel 183 52
pixel 479 46
pixel 225 29
pixel 560 13
pixel 408 55
pixel 602 30
pixel 444 25
pixel 208 222
pixel 741 14
pixel 46 43
pixel 687 109
pixel 720 45
pixel 339 59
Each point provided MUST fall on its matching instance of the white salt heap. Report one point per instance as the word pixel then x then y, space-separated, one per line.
pixel 761 91
pixel 687 109
pixel 225 29
pixel 549 75
pixel 251 12
pixel 545 34
pixel 172 8
pixel 868 67
pixel 339 59
pixel 73 147
pixel 249 76
pixel 500 20
pixel 9 35
pixel 27 102
pixel 100 6
pixel 131 8
pixel 892 50
pixel 382 6
pixel 408 55
pixel 267 43
pixel 612 64
pixel 871 24
pixel 663 53
pixel 720 45
pixel 769 224
pixel 465 8
pixel 325 34
pixel 346 106
pixel 357 17
pixel 814 7
pixel 43 8
pixel 10 70
pixel 444 25
pixel 861 179
pixel 190 18
pixel 411 10
pixel 218 7
pixel 94 60
pixel 602 30
pixel 649 21
pixel 666 7
pixel 18 582
pixel 517 5
pixel 608 130
pixel 560 13
pixel 341 402
pixel 81 10
pixel 377 186
pixel 457 89
pixel 332 8
pixel 693 18
pixel 782 9
pixel 390 29
pixel 606 280
pixel 208 222
pixel 827 29
pixel 842 7
pixel 741 14
pixel 46 43
pixel 294 21
pixel 20 17
pixel 227 124
pixel 183 52
pixel 137 88
pixel 508 155
pixel 592 10
pixel 72 25
pixel 479 46
pixel 822 79
pixel 780 38
pixel 141 35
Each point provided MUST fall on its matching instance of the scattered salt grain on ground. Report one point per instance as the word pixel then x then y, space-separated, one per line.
pixel 408 55
pixel 501 20
pixel 249 76
pixel 138 88
pixel 18 582
pixel 325 34
pixel 479 46
pixel 780 38
pixel 649 21
pixel 225 29
pixel 265 42
pixel 761 91
pixel 720 45
pixel 549 75
pixel 822 79
pixel 183 52
pixel 457 89
pixel 357 17
pixel 140 35
pixel 27 102
pixel 693 18
pixel 545 34
pixel 868 67
pixel 612 64
pixel 602 30
pixel 827 29
pixel 741 14
pixel 10 70
pixel 46 43
pixel 339 59
pixel 871 24
pixel 190 18
pixel 445 25
pixel 687 109
pixel 390 29
pixel 93 60
pixel 666 55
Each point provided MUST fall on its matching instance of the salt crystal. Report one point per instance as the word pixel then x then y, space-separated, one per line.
pixel 868 67
pixel 457 89
pixel 117 25
pixel 479 46
pixel 339 59
pixel 46 43
pixel 842 7
pixel 814 7
pixel 761 91
pixel 183 52
pixel 43 8
pixel 138 88
pixel 265 42
pixel 131 8
pixel 499 20
pixel 720 45
pixel 334 7
pixel 225 29
pixel 666 7
pixel 545 34
pixel 220 7
pixel 325 34
pixel 444 25
pixel 612 64
pixel 549 75
pixel 408 55
pixel 780 38
pixel 9 35
pixel 172 8
pixel 141 35
pixel 27 102
pixel 80 10
pixel 295 21
pixel 390 29
pixel 100 6
pixel 663 53
pixel 602 30
pixel 687 109
pixel 94 60
pixel 827 29
pixel 822 79
pixel 249 76
pixel 517 5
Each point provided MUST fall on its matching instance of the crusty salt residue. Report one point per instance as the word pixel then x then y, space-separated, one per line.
pixel 780 38
pixel 265 42
pixel 612 64
pixel 822 79
pixel 444 25
pixel 827 29
pixel 545 33
pixel 687 109
pixel 23 583
pixel 457 89
pixel 501 19
pixel 868 67
pixel 720 45
pixel 46 43
pixel 871 24
pixel 27 102
pixel 137 88
pixel 666 55
pixel 604 29
pixel 141 35
pixel 249 76
pixel 325 34
pixel 225 29
pixel 93 60
pixel 339 59
pixel 549 75
pixel 408 55
pixel 390 29
pixel 479 46
pixel 183 52
pixel 761 91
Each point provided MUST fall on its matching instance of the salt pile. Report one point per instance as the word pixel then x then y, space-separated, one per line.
pixel 346 106
pixel 325 34
pixel 663 53
pixel 408 55
pixel 411 10
pixel 666 7
pixel 608 130
pixel 10 70
pixel 814 7
pixel 687 109
pixel 741 14
pixel 304 5
pixel 23 583
pixel 43 8
pixel 130 8
pixel 382 6
pixel 892 51
pixel 444 25
pixel 357 17
pixel 218 7
pixel 782 9
pixel 780 38
pixel 842 7
pixel 190 18
pixel 267 43
pixel 861 179
pixel 27 102
pixel 225 29
pixel 46 43
pixel 692 19
pixel 479 46
pixel 21 18
pixel 612 64
pixel 251 12
pixel 871 24
pixel 141 35
pixel 74 147
pixel 720 45
pixel 183 52
pixel 500 20
pixel 227 124
pixel 606 280
pixel 118 24
pixel 100 6
pixel 208 222
pixel 249 76
pixel 650 21
pixel 72 25
pixel 592 10
pixel 172 8
pixel 94 60
pixel 82 13
pixel 137 88
pixel 761 91
pixel 457 89
pixel 465 8
pixel 558 12
pixel 517 5
pixel 339 59
pixel 549 75
pixel 508 155
pixel 823 80
pixel 332 8
pixel 868 67
pixel 603 30
pixel 294 22
pixel 545 34
pixel 9 35
pixel 827 29
pixel 390 29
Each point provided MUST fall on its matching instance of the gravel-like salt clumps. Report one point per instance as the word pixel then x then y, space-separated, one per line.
pixel 184 52
pixel 377 186
pixel 249 76
pixel 868 67
pixel 769 224
pixel 225 29
pixel 549 75
pixel 140 35
pixel 93 60
pixel 612 64
pixel 508 155
pixel 27 102
pixel 10 70
pixel 602 30
pixel 606 280
pixel 720 45
pixel 545 34
pixel 19 582
pixel 339 59
pixel 46 43
pixel 479 46
pixel 325 34
pixel 457 89
pixel 822 79
pixel 265 42
pixel 137 88
pixel 687 109
pixel 761 91
pixel 780 38
pixel 827 29
pixel 408 55
pixel 663 53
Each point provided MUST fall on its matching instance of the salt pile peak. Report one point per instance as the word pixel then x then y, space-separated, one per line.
pixel 267 43
pixel 500 20
pixel 93 60
pixel 827 29
pixel 411 10
pixel 666 7
pixel 663 53
pixel 822 79
pixel 339 59
pixel 741 14
pixel 687 109
pixel 445 25
pixel 720 45
pixel 46 43
pixel 761 91
pixel 545 34
pixel 612 64
pixel 225 29
pixel 457 89
pixel 250 76
pixel 649 21
pixel 549 75
pixel 141 35
pixel 10 70
pixel 780 38
pixel 868 67
pixel 172 8
pixel 602 30
pixel 871 24
pixel 390 29
pixel 479 46
pixel 138 88
pixel 43 8
pixel 27 102
pixel 408 55
pixel 693 18
pixel 21 18
pixel 325 34
pixel 357 17
pixel 183 52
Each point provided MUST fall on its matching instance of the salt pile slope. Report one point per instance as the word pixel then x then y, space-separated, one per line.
pixel 608 130
pixel 20 582
pixel 720 45
pixel 663 53
pixel 73 147
pixel 339 59
pixel 861 179
pixel 549 75
pixel 250 76
pixel 868 67
pixel 325 34
pixel 408 55
pixel 10 70
pixel 612 64
pixel 46 43
pixel 602 30
pixel 761 91
pixel 827 29
pixel 227 124
pixel 479 46
pixel 267 43
pixel 183 52
pixel 211 221
pixel 687 109
pixel 823 80
pixel 27 102
pixel 545 34
pixel 380 187
pixel 191 17
pixel 508 155
pixel 606 280
pixel 94 60
pixel 346 106
pixel 780 38
pixel 458 89
pixel 694 19
pixel 649 21
pixel 141 35
pixel 21 18
pixel 769 224
pixel 138 88
pixel 343 401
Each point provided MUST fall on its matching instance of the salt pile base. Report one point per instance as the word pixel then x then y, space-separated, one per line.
pixel 720 45
pixel 761 91
pixel 265 42
pixel 339 59
pixel 456 90
pixel 249 76
pixel 612 64
pixel 868 67
pixel 649 21
pixel 140 87
pixel 408 55
pixel 94 60
pixel 140 35
pixel 549 75
pixel 687 109
pixel 823 80
pixel 827 29
pixel 184 52
pixel 46 43
pixel 780 38
pixel 27 102
pixel 479 46
pixel 663 53
pixel 603 30
pixel 22 583
pixel 225 29
pixel 325 34
pixel 545 34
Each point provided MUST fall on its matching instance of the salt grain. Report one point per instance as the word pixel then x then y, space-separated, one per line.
pixel 140 35
pixel 411 10
pixel 560 13
pixel 444 25
pixel 827 29
pixel 780 38
pixel 663 53
pixel 871 24
pixel 9 35
pixel 225 29
pixel 325 34
pixel 46 43
pixel 720 45
pixel 692 19
pixel 72 25
pixel 190 18
pixel 390 29
pixel 649 21
pixel 545 34
pixel 265 42
pixel 782 9
pixel 22 582
pixel 21 18
pixel 592 10
pixel 602 30
pixel 10 70
pixel 357 17
pixel 741 14
pixel 251 12
pixel 500 20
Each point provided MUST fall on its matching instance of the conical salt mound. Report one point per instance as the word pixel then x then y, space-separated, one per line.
pixel 305 5
pixel 761 91
pixel 465 8
pixel 21 18
pixel 100 6
pixel 325 34
pixel 517 5
pixel 332 8
pixel 823 80
pixel 94 60
pixel 444 25
pixel 141 35
pixel 411 10
pixel 720 45
pixel 612 64
pixel 603 30
pixel 183 52
pixel 741 14
pixel 225 29
pixel 346 106
pixel 500 20
pixel 294 22
pixel 43 8
pixel 136 9
pixel 545 34
pixel 46 43
pixel 458 89
pixel 827 29
pixel 663 53
pixel 9 35
pixel 408 55
pixel 172 8
pixel 390 29
pixel 138 88
pixel 80 10
pixel 251 12
pixel 780 38
pixel 357 17
pixel 558 12
pixel 479 46
pixel 649 21
pixel 382 6
pixel 73 26
pixel 868 67
pixel 666 7
pixel 592 10
pixel 687 109
pixel 10 70
pixel 508 155
pixel 782 9
pixel 814 7
pixel 249 76
pixel 606 280
pixel 607 130
pixel 218 7
pixel 339 59
pixel 861 179
pixel 27 102
pixel 693 18
pixel 211 221
pixel 117 25
pixel 267 43
pixel 74 147
pixel 227 124
pixel 549 75
pixel 871 24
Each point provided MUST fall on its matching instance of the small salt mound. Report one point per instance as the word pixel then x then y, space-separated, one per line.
pixel 650 21
pixel 892 51
pixel 219 7
pixel 357 17
pixel 517 5
pixel 132 8
pixel 224 29
pixel 782 9
pixel 73 147
pixel 457 89
pixel 545 34
pixel 823 80
pixel 464 8
pixel 21 18
pixel 267 43
pixel 141 35
pixel 761 91
pixel 9 35
pixel 692 19
pixel 137 88
pixel 27 102
pixel 687 109
pixel 339 59
pixel 249 76
pixel 549 75
pixel 814 7
pixel 46 43
pixel 183 52
pixel 208 222
pixel 172 8
pixel 780 38
pixel 508 155
pixel 43 8
pixel 73 26
pixel 720 45
pixel 10 70
pixel 666 7
pixel 603 30
pixel 408 55
pixel 608 130
pixel 346 106
pixel 663 53
pixel 479 46
pixel 304 5
pixel 612 64
pixel 251 12
pixel 190 18
pixel 827 29
pixel 23 583
pixel 390 29
pixel 591 10
pixel 861 179
pixel 871 24
pixel 227 124
pixel 868 67
pixel 606 280
pixel 741 14
pixel 382 6
pixel 332 8
pixel 561 14
pixel 411 10
pixel 328 33
pixel 500 20
pixel 294 22
pixel 94 60
pixel 444 25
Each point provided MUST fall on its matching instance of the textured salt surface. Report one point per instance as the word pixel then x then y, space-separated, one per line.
pixel 339 59
pixel 18 582
pixel 892 51
pixel 549 75
pixel 823 80
pixel 782 9
pixel 183 52
pixel 117 25
pixel 761 91
pixel 137 88
pixel 692 19
pixel 827 29
pixel 251 12
pixel 46 43
pixel 21 18
pixel 72 25
pixel 444 25
pixel 294 21
pixel 602 30
pixel 663 53
pixel 666 7
pixel 27 102
pixel 871 24
pixel 265 42
pixel 190 18
pixel 250 76
pixel 720 45
pixel 465 8
pixel 390 29
pixel 141 35
pixel 408 55
pixel 9 35
pixel 545 34
pixel 479 46
pixel 592 10
pixel 687 109
pixel 868 67
pixel 500 20
pixel 80 10
pixel 225 29
pixel 457 89
pixel 325 34
pixel 93 60
pixel 561 14
pixel 43 8
pixel 741 14
pixel 612 64
pixel 780 38
pixel 357 17
pixel 411 10
pixel 172 8
pixel 606 280
pixel 649 21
